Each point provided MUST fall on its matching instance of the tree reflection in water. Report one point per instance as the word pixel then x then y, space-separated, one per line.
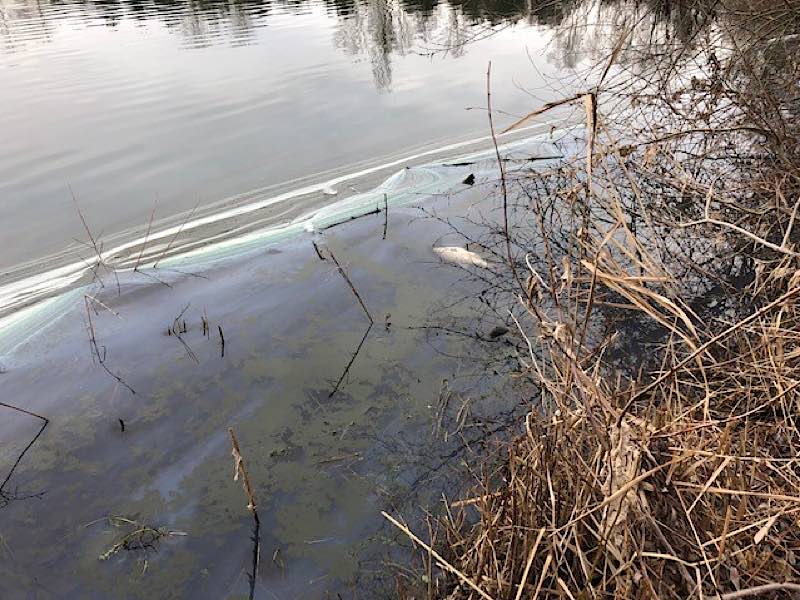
pixel 374 29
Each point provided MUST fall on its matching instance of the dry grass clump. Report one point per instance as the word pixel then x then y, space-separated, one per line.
pixel 659 318
pixel 693 490
pixel 682 484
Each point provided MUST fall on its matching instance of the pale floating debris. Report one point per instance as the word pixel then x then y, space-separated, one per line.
pixel 329 191
pixel 309 226
pixel 460 256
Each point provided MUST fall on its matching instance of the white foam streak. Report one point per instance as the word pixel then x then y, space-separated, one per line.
pixel 35 287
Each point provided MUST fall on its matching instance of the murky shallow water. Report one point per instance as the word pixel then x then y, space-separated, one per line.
pixel 250 110
pixel 323 464
pixel 290 325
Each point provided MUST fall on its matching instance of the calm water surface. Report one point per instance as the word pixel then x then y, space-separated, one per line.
pixel 134 104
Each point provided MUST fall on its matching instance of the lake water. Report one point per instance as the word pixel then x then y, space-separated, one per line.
pixel 134 105
pixel 338 419
pixel 237 121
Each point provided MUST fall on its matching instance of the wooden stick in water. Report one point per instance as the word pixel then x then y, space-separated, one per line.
pixel 239 469
pixel 385 215
pixel 343 273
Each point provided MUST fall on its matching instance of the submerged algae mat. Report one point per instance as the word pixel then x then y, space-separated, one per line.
pixel 320 464
pixel 323 465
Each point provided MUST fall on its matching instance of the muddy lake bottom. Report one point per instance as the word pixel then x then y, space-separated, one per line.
pixel 334 418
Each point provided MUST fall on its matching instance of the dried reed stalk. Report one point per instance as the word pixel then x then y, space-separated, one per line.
pixel 240 470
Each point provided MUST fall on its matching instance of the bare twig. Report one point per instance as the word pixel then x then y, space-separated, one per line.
pixel 97 353
pixel 344 275
pixel 45 423
pixel 317 250
pixel 385 214
pixel 240 470
pixel 503 186
pixel 350 362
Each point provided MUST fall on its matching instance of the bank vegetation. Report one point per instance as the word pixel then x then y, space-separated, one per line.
pixel 655 301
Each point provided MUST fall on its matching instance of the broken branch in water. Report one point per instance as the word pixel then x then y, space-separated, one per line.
pixel 139 538
pixel 95 348
pixel 385 214
pixel 175 237
pixel 343 273
pixel 374 211
pixel 97 248
pixel 350 363
pixel 146 238
pixel 204 321
pixel 45 423
pixel 178 329
pixel 239 469
pixel 317 250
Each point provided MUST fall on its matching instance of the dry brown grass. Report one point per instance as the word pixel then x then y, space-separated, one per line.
pixel 677 476
pixel 682 484
pixel 693 490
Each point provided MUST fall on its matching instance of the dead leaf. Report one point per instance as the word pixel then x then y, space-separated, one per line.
pixel 734 577
pixel 650 154
pixel 566 276
pixel 762 533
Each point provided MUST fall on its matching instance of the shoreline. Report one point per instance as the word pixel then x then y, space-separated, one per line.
pixel 185 234
pixel 28 303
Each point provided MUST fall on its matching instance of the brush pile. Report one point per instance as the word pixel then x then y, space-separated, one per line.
pixel 657 313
